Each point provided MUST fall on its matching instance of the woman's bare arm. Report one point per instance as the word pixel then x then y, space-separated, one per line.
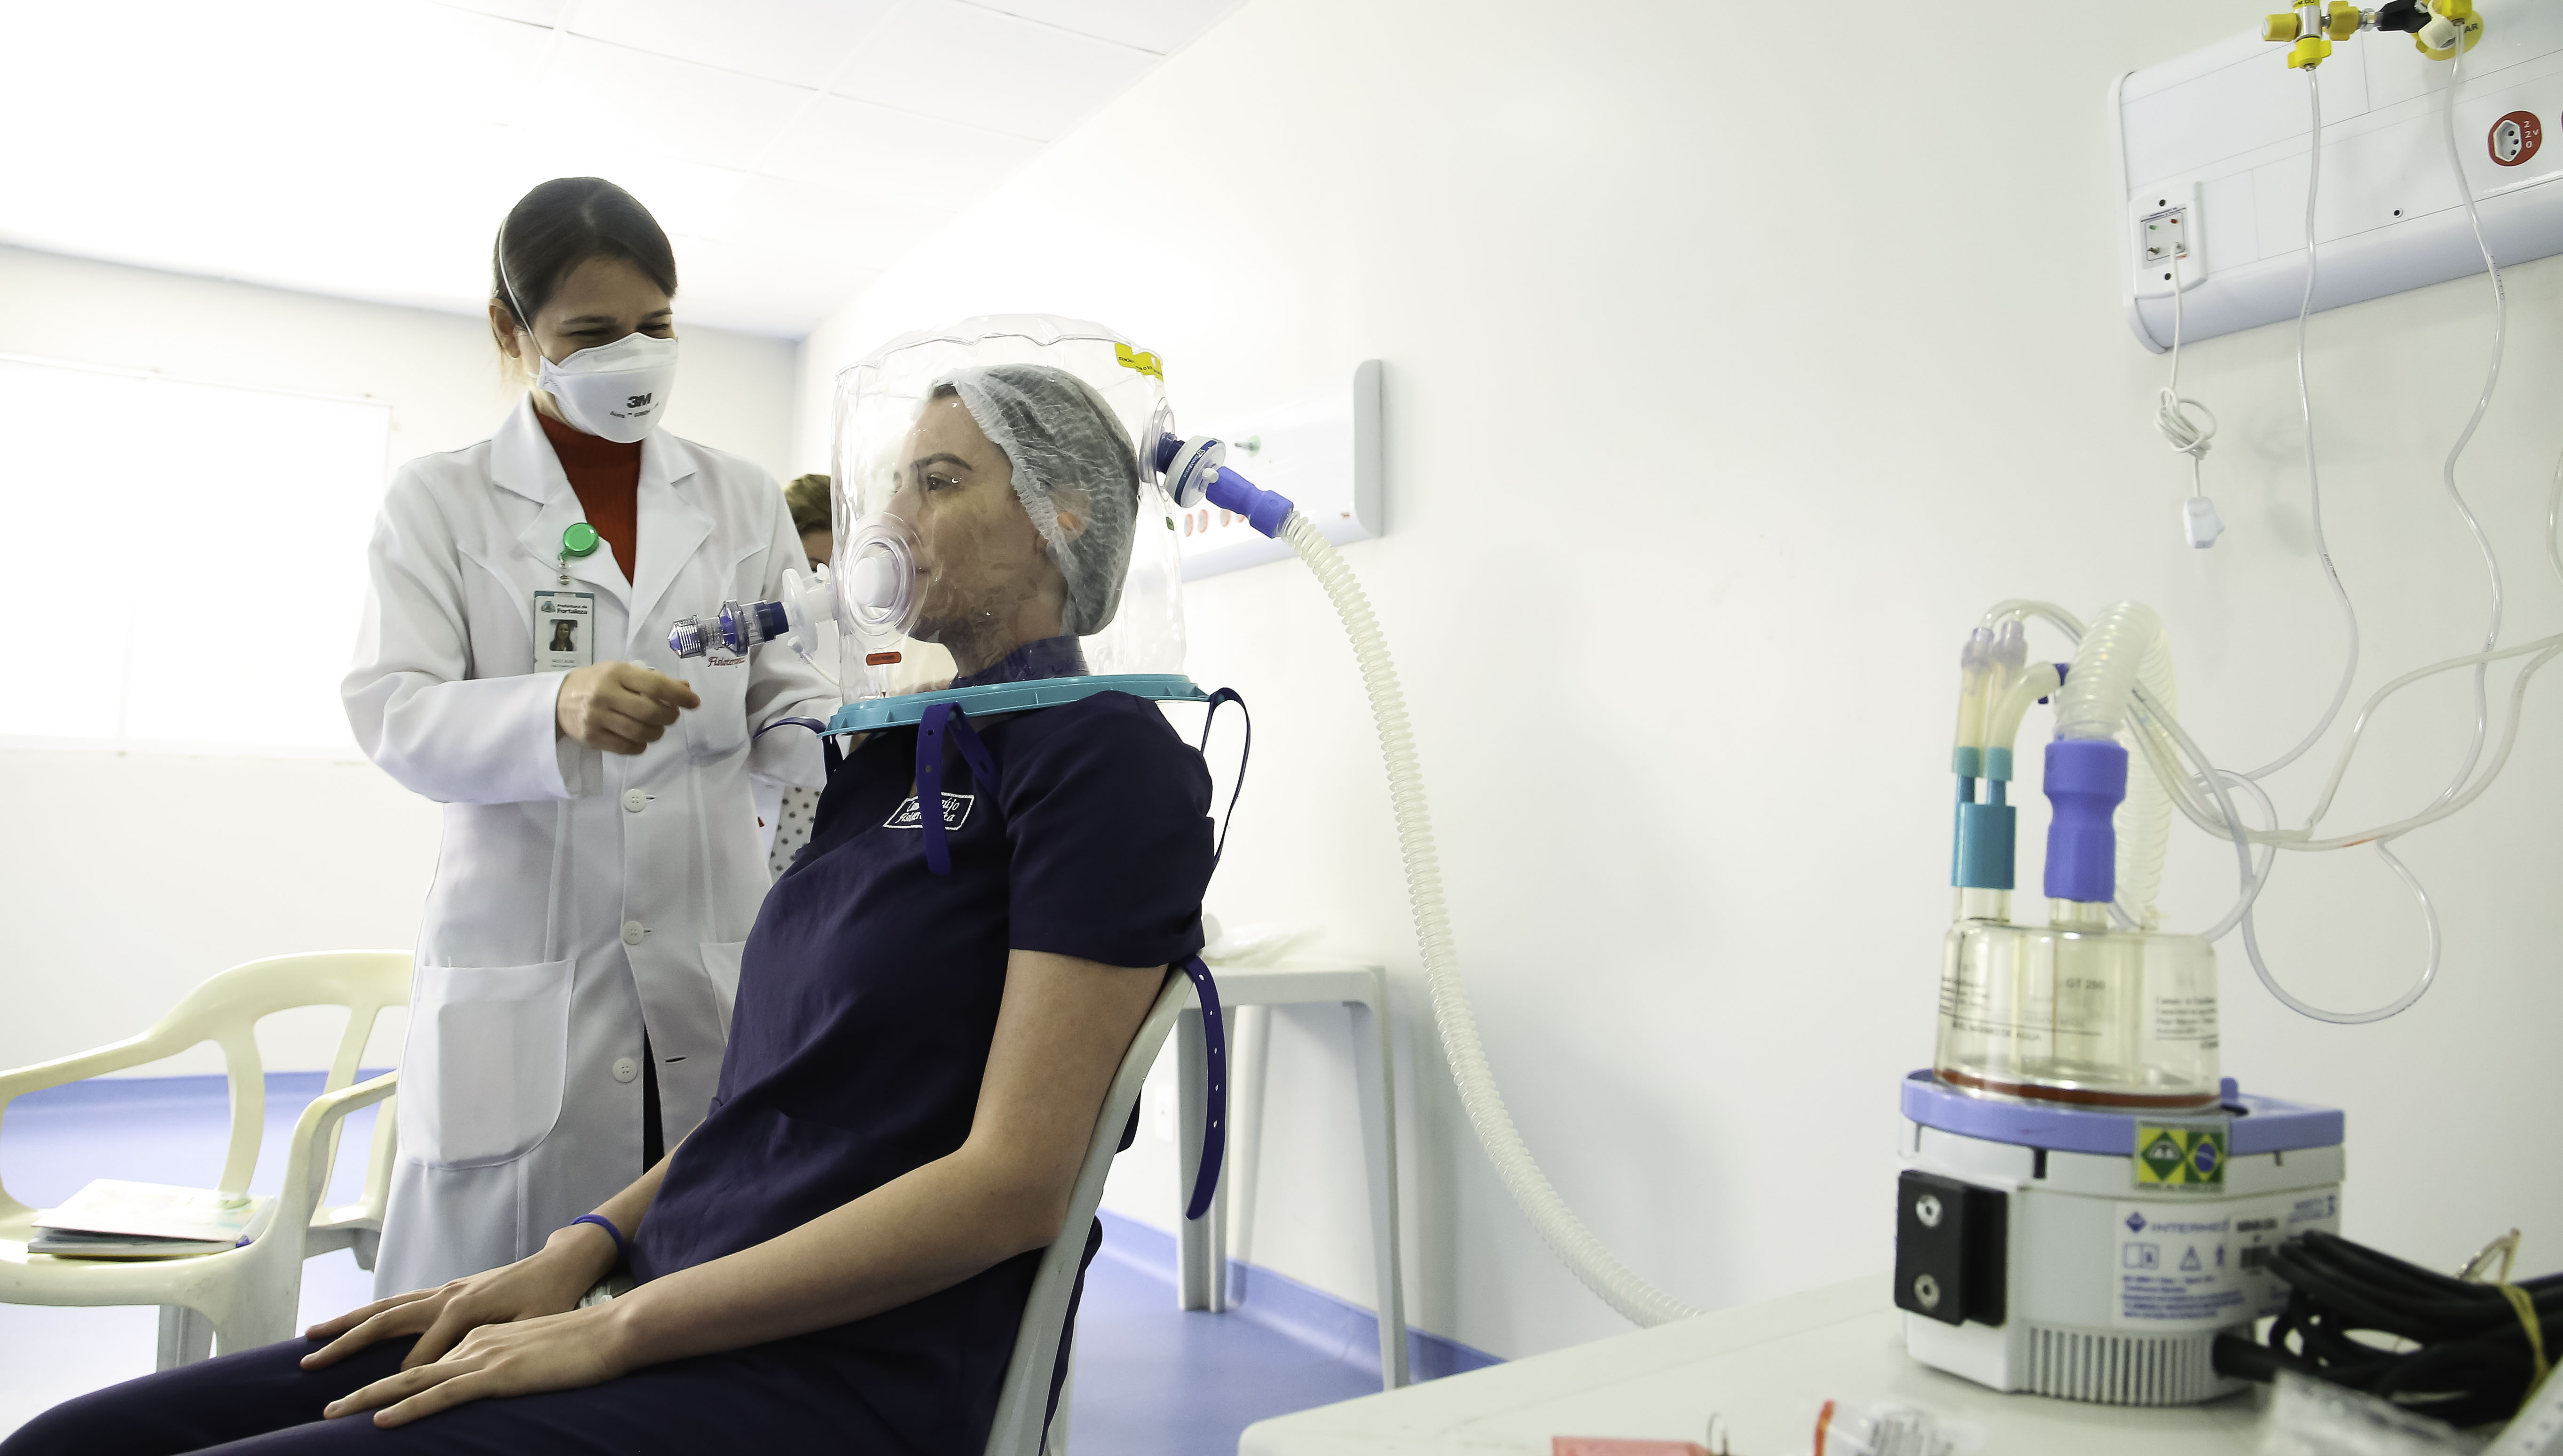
pixel 1061 1032
pixel 547 1282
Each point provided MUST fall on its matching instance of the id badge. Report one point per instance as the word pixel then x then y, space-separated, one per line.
pixel 564 631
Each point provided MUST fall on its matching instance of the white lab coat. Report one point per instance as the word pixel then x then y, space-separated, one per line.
pixel 543 955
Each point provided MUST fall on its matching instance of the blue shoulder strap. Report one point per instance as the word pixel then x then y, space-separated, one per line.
pixel 939 720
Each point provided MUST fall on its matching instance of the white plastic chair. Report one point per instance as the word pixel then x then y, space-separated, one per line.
pixel 1025 1398
pixel 245 1297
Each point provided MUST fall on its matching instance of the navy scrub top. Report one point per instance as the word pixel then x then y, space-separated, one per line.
pixel 868 999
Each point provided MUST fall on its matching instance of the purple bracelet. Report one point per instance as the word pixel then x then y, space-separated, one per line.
pixel 622 1250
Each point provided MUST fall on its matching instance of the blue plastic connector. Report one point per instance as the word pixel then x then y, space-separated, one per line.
pixel 1986 847
pixel 1263 510
pixel 2086 778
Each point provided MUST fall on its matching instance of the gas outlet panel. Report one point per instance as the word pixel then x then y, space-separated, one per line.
pixel 1321 450
pixel 2217 139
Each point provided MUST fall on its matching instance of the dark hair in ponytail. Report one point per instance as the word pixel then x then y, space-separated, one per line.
pixel 562 223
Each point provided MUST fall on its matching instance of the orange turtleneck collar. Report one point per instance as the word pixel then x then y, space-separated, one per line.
pixel 606 475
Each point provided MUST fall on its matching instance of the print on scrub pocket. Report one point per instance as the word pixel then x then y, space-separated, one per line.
pixel 488 1057
pixel 957 812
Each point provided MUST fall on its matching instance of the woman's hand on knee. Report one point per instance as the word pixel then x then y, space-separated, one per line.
pixel 563 1352
pixel 548 1282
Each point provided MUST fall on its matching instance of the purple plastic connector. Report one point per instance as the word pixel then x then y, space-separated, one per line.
pixel 1165 454
pixel 1263 510
pixel 2085 780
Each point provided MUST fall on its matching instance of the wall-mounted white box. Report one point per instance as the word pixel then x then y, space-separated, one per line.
pixel 1321 450
pixel 2227 125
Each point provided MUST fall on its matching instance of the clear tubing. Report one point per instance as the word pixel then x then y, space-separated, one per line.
pixel 2554 522
pixel 2314 470
pixel 1556 1224
pixel 2545 650
pixel 1975 688
pixel 2185 433
pixel 2002 725
pixel 2214 822
pixel 2448 472
pixel 2252 882
pixel 2093 701
pixel 2143 818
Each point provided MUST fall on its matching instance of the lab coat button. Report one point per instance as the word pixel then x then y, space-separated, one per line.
pixel 625 1069
pixel 634 800
pixel 632 930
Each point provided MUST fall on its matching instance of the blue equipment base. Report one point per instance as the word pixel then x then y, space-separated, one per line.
pixel 2255 1124
pixel 1012 697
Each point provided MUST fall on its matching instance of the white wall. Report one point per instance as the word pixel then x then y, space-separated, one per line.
pixel 1728 383
pixel 133 876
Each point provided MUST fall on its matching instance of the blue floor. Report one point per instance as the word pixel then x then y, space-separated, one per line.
pixel 1151 1380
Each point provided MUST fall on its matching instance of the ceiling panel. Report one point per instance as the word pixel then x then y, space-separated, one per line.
pixel 544 13
pixel 370 149
pixel 1162 26
pixel 764 288
pixel 797 41
pixel 896 157
pixel 962 63
pixel 803 217
pixel 636 102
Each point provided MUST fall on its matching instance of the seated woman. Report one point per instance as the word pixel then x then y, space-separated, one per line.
pixel 838 1258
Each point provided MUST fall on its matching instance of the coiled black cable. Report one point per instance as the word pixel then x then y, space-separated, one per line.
pixel 2466 1357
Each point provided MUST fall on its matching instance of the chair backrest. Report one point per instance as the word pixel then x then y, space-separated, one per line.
pixel 226 1011
pixel 1024 1403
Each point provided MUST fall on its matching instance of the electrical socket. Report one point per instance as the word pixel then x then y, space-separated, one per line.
pixel 2167 238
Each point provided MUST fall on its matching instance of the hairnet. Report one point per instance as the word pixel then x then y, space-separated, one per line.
pixel 1059 436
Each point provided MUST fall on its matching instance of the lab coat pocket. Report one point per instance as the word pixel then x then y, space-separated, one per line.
pixel 487 1062
pixel 720 963
pixel 719 728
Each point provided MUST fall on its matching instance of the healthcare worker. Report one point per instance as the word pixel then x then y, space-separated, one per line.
pixel 600 864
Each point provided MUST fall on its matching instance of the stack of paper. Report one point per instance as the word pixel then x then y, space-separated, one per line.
pixel 115 1219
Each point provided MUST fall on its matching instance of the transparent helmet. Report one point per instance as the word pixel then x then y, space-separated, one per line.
pixel 994 519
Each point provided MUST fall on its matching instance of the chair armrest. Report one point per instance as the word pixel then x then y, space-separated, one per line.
pixel 306 1175
pixel 132 1051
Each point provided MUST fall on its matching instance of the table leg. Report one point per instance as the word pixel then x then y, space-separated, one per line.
pixel 1375 1075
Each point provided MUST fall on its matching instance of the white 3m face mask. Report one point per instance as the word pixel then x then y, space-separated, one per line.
pixel 614 391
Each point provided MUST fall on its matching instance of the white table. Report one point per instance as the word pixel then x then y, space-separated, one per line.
pixel 1762 1369
pixel 1202 1243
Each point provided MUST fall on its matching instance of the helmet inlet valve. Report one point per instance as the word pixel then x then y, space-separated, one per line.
pixel 737 629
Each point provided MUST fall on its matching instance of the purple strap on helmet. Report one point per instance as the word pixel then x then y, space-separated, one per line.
pixel 2085 780
pixel 1215 1103
pixel 940 717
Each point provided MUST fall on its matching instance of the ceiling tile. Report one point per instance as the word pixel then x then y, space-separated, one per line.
pixel 762 289
pixel 544 13
pixel 961 62
pixel 896 157
pixel 1162 26
pixel 440 117
pixel 638 103
pixel 796 41
pixel 806 218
